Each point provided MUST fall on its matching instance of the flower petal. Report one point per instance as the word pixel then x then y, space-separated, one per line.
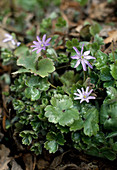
pixel 76 98
pixel 88 64
pixel 77 63
pixel 35 42
pixel 87 100
pixel 83 65
pixel 87 89
pixel 86 53
pixel 79 91
pixel 18 44
pixel 75 57
pixel 8 35
pixel 82 90
pixel 34 49
pixel 38 39
pixel 47 41
pixel 82 49
pixel 13 42
pixel 33 46
pixel 76 50
pixel 44 37
pixel 89 92
pixel 76 94
pixel 91 97
pixel 38 51
pixel 81 100
pixel 47 44
pixel 6 40
pixel 89 57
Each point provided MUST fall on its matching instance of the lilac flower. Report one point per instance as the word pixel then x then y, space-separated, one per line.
pixel 18 44
pixel 10 38
pixel 84 96
pixel 82 58
pixel 41 45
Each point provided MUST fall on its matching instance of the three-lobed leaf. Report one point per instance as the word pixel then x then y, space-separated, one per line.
pixel 61 110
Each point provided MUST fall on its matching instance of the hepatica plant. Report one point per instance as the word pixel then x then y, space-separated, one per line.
pixel 82 58
pixel 84 95
pixel 58 101
pixel 41 45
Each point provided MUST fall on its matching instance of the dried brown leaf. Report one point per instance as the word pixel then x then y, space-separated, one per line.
pixel 112 37
pixel 15 165
pixel 4 159
pixel 42 164
pixel 100 11
pixel 57 160
pixel 27 158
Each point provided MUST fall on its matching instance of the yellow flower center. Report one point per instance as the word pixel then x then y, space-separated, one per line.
pixel 42 45
pixel 82 57
pixel 85 96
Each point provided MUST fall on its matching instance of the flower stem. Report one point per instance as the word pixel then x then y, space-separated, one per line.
pixel 84 73
pixel 113 51
pixel 52 85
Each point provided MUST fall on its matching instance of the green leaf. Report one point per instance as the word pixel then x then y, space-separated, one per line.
pixel 85 33
pixel 32 93
pixel 21 51
pixel 27 136
pixel 105 74
pixel 51 136
pixel 108 153
pixel 51 53
pixel 94 151
pixel 91 123
pixel 113 58
pixel 52 146
pixel 99 39
pixel 27 61
pixel 112 92
pixel 60 138
pixel 45 66
pixel 82 2
pixel 108 116
pixel 18 105
pixel 71 44
pixel 62 58
pixel 95 29
pixel 22 70
pixel 41 83
pixel 113 71
pixel 37 148
pixel 61 110
pixel 68 79
pixel 61 22
pixel 101 59
pixel 109 83
pixel 112 134
pixel 77 125
pixel 76 137
pixel 115 146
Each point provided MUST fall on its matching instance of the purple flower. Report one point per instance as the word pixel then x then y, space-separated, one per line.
pixel 82 58
pixel 84 96
pixel 41 45
pixel 10 38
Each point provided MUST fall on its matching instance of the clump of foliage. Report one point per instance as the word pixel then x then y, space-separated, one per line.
pixel 53 108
